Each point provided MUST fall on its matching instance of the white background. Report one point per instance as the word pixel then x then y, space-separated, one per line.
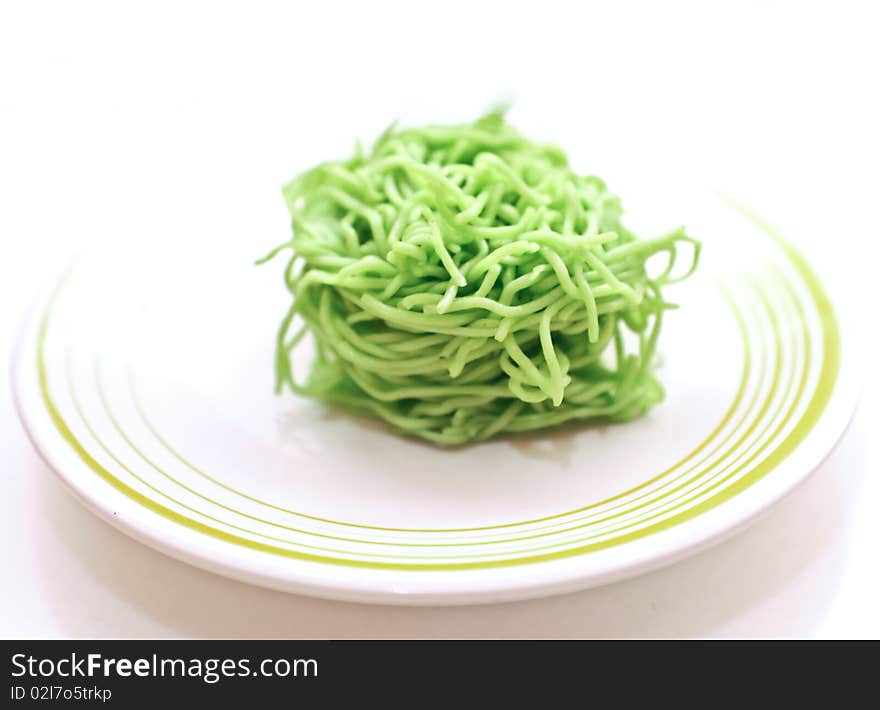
pixel 115 120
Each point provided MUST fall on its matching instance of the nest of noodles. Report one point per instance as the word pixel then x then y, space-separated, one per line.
pixel 462 281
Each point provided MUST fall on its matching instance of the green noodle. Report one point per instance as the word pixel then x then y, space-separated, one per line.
pixel 462 281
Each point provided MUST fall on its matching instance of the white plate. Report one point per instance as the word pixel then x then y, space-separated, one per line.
pixel 144 378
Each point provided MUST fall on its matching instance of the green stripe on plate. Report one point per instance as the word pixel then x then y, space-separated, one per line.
pixel 827 378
